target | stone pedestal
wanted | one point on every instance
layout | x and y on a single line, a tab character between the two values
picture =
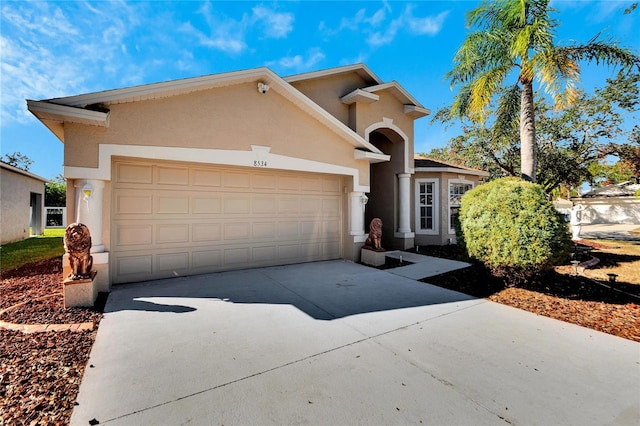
80	293
372	257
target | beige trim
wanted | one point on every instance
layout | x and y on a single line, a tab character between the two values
416	112
45	110
452	170
208	156
399	92
362	70
388	124
370	156
361	96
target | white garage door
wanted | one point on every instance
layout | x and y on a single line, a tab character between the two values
174	219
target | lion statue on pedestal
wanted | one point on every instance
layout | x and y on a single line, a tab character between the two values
77	243
373	242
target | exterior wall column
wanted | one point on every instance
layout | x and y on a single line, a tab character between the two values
356	221
89	210
404	206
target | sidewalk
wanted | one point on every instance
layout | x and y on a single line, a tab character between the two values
609	231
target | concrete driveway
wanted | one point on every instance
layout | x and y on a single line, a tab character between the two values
334	342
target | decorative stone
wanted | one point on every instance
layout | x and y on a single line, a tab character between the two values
79	288
372	257
80	292
374	240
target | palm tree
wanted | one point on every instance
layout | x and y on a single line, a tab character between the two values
515	39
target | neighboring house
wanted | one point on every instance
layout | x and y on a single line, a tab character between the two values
21	204
610	204
438	188
237	170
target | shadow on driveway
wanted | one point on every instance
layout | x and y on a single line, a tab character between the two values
322	290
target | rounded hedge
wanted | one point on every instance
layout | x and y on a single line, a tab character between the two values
511	226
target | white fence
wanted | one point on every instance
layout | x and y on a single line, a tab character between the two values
55	217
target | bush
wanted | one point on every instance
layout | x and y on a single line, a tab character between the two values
510	226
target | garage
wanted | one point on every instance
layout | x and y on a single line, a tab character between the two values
174	219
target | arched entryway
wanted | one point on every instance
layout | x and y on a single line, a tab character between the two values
389	198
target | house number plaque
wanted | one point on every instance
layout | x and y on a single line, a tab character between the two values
259	163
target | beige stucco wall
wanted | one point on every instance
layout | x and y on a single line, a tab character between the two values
229	118
327	92
15	193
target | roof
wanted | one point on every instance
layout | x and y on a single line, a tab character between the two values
426	164
17	170
624	189
366	94
92	108
361	69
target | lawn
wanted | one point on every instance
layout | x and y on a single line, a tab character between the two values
32	249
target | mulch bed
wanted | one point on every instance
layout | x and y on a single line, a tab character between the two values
559	294
40	373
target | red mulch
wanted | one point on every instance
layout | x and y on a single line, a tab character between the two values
40	373
559	294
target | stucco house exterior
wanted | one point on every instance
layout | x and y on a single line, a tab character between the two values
21	204
237	170
610	204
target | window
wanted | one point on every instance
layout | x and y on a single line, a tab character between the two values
426	215
457	188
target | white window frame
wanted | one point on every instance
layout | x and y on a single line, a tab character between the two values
436	206
449	183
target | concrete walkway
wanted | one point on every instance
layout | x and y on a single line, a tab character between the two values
608	231
337	343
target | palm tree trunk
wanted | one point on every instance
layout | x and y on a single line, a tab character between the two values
527	134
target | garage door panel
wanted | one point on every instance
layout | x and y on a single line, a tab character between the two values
310	205
203	205
266	254
180	219
206	232
332	184
134	203
264	230
170	234
172	204
236	180
237	256
174	263
263	181
133	235
209	260
237	205
172	175
133	266
264	205
134	173
206	178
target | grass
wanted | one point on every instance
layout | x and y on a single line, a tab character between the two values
616	257
46	246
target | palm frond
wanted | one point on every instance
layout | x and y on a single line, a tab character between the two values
605	53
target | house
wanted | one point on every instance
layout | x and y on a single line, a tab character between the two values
610	204
438	188
21	204
241	169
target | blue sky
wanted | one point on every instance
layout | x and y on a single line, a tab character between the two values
62	48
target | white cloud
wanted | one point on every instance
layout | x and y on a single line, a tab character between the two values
300	63
430	25
276	25
375	31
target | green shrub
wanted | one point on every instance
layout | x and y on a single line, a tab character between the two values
510	226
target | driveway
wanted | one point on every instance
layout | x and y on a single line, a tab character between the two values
339	343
